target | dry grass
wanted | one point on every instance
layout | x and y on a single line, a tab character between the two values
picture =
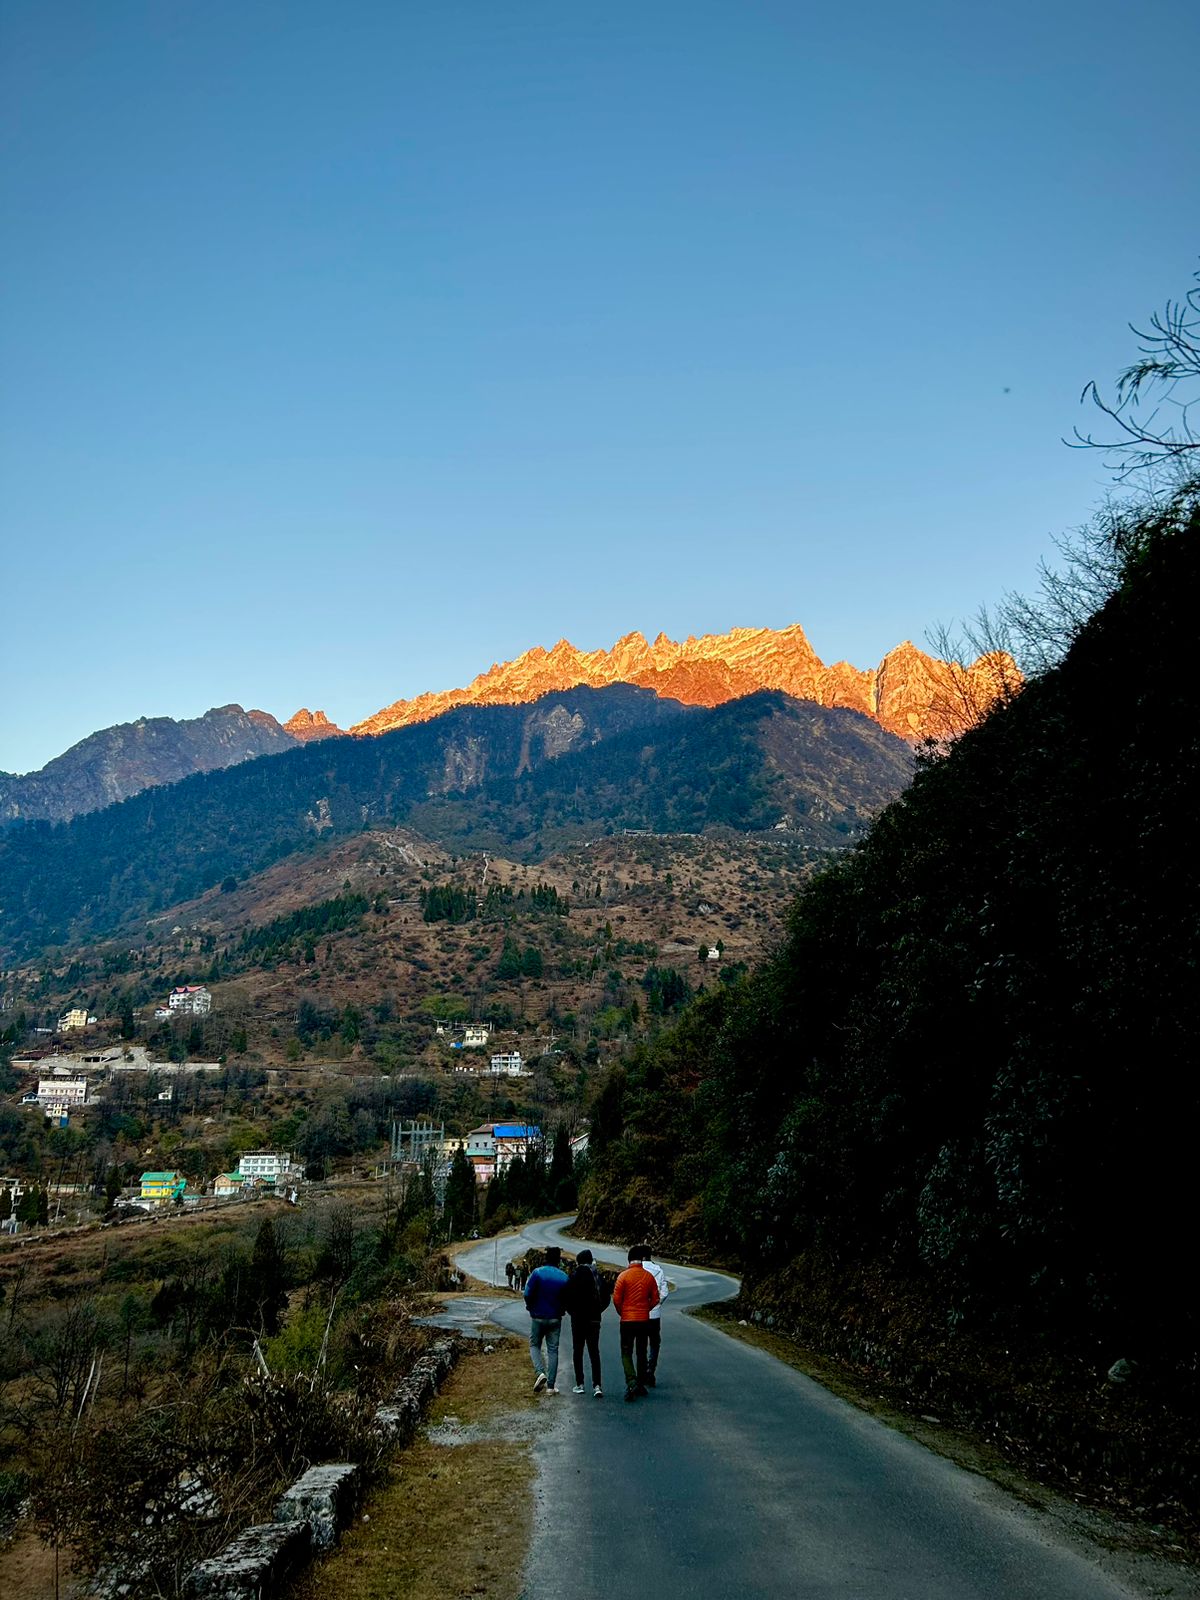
27	1571
450	1520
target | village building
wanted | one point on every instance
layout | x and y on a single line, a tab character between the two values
62	1091
226	1184
481	1152
190	1000
264	1166
73	1020
161	1188
507	1064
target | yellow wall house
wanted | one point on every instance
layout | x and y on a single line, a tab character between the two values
162	1186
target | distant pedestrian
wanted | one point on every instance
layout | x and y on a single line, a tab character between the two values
654	1341
508	1273
584	1303
544	1294
635	1296
523	1275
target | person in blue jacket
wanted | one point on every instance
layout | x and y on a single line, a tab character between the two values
544	1294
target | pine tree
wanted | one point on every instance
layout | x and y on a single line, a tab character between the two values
562	1177
460	1195
268	1277
510	960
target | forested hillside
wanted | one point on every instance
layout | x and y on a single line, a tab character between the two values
528	778
967	1082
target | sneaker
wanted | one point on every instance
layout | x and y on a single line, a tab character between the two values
650	1380
553	1391
578	1389
632	1392
641	1389
598	1393
539	1382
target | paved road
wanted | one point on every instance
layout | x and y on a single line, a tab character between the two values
739	1477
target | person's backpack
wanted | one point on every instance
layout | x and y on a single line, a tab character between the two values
603	1289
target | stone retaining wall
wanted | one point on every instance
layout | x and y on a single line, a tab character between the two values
316	1508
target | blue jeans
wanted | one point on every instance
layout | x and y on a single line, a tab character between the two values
547	1328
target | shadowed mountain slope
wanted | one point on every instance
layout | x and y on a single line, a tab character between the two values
571	765
121	761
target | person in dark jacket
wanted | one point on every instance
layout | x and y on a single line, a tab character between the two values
544	1294
584	1303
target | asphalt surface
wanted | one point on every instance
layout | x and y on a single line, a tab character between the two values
739	1477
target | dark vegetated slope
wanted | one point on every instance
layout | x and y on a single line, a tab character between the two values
172	843
747	765
587	759
971	1069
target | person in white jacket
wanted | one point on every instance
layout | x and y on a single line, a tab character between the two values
655	1339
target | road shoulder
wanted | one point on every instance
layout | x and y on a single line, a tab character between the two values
1138	1553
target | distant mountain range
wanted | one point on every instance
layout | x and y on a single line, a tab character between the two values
530	779
910	694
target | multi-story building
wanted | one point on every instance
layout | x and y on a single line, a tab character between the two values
507	1063
481	1152
73	1019
62	1091
513	1139
191	1000
162	1187
264	1166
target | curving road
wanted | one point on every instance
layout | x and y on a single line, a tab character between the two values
739	1477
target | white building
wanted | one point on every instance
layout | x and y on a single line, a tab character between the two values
476	1034
77	1017
264	1166
507	1063
190	999
62	1091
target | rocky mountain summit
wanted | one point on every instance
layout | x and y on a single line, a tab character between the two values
910	693
121	761
308	726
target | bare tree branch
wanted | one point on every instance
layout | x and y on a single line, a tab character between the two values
1154	399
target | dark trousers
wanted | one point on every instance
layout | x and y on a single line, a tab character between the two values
655	1340
586	1333
634	1336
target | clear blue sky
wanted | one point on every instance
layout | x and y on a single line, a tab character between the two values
347	348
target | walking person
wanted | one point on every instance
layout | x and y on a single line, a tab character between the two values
523	1275
508	1273
544	1293
635	1295
584	1303
654	1340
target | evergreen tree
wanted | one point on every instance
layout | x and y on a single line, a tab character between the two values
496	1197
562	1176
531	962
268	1277
510	960
460	1196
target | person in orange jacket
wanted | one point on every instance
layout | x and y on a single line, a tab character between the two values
635	1295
